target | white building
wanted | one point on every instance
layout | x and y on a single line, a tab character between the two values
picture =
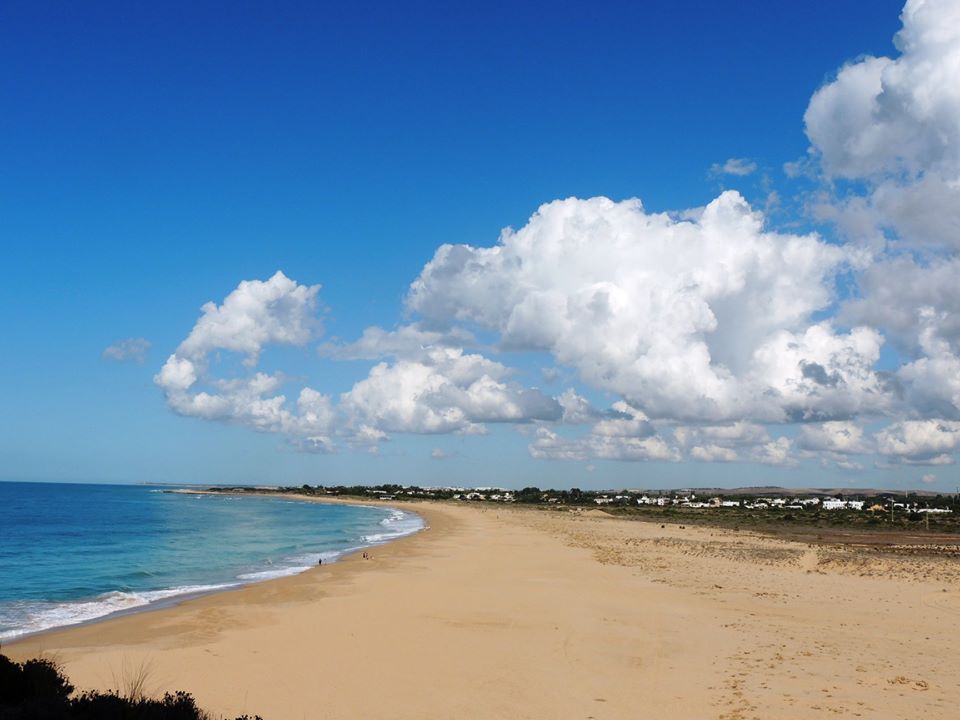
837	504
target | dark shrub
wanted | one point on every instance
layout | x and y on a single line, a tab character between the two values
100	706
34	690
38	690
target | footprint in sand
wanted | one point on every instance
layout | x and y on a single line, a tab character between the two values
921	685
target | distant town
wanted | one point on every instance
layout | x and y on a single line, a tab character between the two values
879	518
771	498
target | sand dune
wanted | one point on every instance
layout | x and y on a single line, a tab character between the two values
514	613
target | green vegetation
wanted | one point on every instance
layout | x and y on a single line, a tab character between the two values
768	509
38	690
810	518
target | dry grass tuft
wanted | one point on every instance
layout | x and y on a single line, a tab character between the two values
132	681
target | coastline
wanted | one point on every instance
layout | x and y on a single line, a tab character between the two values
171	597
501	612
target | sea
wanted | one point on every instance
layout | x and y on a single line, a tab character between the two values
73	553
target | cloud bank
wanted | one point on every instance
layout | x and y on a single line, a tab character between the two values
718	337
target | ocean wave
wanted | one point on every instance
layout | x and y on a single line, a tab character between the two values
273	574
293	566
397	524
28	617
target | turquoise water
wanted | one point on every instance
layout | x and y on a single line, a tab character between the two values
74	553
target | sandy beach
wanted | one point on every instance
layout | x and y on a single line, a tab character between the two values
514	613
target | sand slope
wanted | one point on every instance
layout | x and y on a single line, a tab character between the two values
511	613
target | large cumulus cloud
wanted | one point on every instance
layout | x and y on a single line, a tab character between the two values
892	123
706	318
444	390
891	126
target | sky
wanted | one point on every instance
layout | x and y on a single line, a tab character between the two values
649	245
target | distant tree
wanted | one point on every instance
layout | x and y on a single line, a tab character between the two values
529	494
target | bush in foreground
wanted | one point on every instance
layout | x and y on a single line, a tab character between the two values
38	690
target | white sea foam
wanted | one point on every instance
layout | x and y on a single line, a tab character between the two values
272	574
37	616
397	524
295	565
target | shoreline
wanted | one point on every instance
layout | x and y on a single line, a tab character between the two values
506	613
239	584
40	640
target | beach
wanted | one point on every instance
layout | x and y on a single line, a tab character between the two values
500	612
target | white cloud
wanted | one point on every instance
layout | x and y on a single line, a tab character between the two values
625	434
840	121
317	444
434	386
893	123
903	296
624	421
548	445
252	402
177	375
893	126
134	349
919	442
255	314
737	434
632	448
720	443
740	167
884	116
735	442
928	479
713	453
933	380
407	341
845	438
362	435
776	452
803	167
576	409
445	391
820	374
833	443
660	311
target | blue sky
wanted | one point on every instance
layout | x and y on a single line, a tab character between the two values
153	157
